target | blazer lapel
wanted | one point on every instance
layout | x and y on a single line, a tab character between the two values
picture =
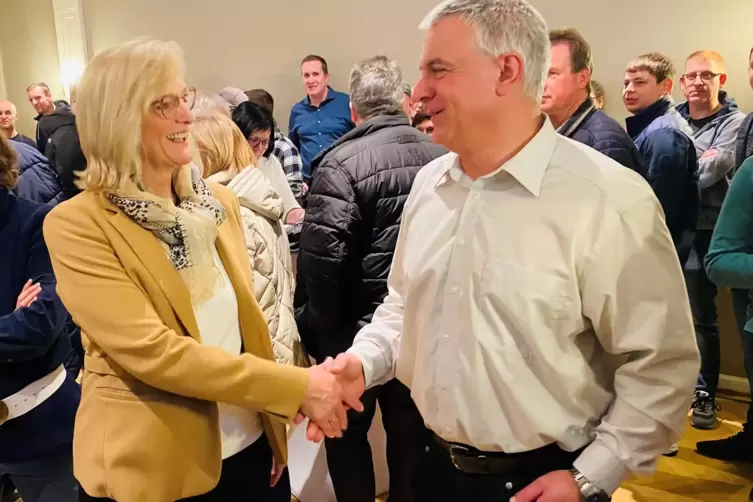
155	260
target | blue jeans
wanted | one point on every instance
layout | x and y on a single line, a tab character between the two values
702	293
47	479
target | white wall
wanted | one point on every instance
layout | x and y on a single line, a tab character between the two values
29	53
259	44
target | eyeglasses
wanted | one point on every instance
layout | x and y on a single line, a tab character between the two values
706	76
167	106
254	142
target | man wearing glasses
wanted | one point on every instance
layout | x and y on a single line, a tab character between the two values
714	119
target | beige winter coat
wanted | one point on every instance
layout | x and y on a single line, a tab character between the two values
269	253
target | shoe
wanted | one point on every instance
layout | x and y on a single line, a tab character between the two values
737	448
672	451
704	411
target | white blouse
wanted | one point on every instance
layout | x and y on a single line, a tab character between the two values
219	326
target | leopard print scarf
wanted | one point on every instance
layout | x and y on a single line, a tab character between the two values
187	231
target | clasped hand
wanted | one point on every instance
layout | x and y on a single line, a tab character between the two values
334	386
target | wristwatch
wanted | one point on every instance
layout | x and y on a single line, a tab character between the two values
589	492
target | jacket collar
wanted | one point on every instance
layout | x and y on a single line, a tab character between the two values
569	128
638	122
528	166
253	190
729	105
369	127
154	257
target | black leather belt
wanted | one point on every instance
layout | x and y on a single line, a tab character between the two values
542	460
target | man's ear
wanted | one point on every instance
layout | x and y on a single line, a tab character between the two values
722	79
584	78
668	85
353	114
510	66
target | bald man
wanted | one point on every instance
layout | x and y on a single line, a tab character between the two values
8	118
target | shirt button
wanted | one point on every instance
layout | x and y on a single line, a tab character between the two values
319	122
454	290
446	337
461	242
320	134
476	196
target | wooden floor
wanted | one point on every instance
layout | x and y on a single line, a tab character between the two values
690	477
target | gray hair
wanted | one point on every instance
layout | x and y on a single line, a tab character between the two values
504	26
208	104
376	87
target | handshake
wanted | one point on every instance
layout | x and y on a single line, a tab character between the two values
334	386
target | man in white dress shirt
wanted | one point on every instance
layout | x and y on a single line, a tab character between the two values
536	305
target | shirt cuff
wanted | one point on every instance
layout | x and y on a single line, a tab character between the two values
369	355
601	467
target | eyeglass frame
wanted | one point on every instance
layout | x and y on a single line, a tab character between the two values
170	109
254	142
699	74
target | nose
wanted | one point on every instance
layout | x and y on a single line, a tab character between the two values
184	115
421	91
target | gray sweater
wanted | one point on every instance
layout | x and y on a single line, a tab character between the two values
718	137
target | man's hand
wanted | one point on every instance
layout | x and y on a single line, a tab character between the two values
277	470
28	294
325	402
349	372
557	486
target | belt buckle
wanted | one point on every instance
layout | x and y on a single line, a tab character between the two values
4	412
455	452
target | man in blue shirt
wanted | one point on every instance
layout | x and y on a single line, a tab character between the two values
321	117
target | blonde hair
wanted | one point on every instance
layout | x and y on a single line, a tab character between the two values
114	94
8	164
221	145
656	64
713	57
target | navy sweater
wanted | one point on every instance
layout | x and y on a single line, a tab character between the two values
33	340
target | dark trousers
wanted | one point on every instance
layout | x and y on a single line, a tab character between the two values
47	479
349	458
702	294
281	491
742	304
245	476
436	479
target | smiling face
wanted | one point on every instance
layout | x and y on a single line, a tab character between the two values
314	78
165	128
458	85
259	142
41	100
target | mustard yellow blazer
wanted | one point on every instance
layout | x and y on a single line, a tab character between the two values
147	429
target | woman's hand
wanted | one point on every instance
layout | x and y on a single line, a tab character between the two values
28	294
277	470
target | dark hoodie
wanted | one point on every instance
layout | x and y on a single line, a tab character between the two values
718	134
63	148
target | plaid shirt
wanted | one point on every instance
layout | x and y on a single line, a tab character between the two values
290	159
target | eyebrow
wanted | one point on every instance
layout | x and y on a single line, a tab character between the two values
435	62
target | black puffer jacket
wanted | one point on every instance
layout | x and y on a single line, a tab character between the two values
63	148
355	204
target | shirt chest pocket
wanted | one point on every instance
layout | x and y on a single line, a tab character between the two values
525	302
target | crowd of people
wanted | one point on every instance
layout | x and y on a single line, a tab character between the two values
525	287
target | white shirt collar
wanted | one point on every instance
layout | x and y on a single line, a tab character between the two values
527	166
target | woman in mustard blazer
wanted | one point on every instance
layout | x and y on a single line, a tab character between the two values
181	397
